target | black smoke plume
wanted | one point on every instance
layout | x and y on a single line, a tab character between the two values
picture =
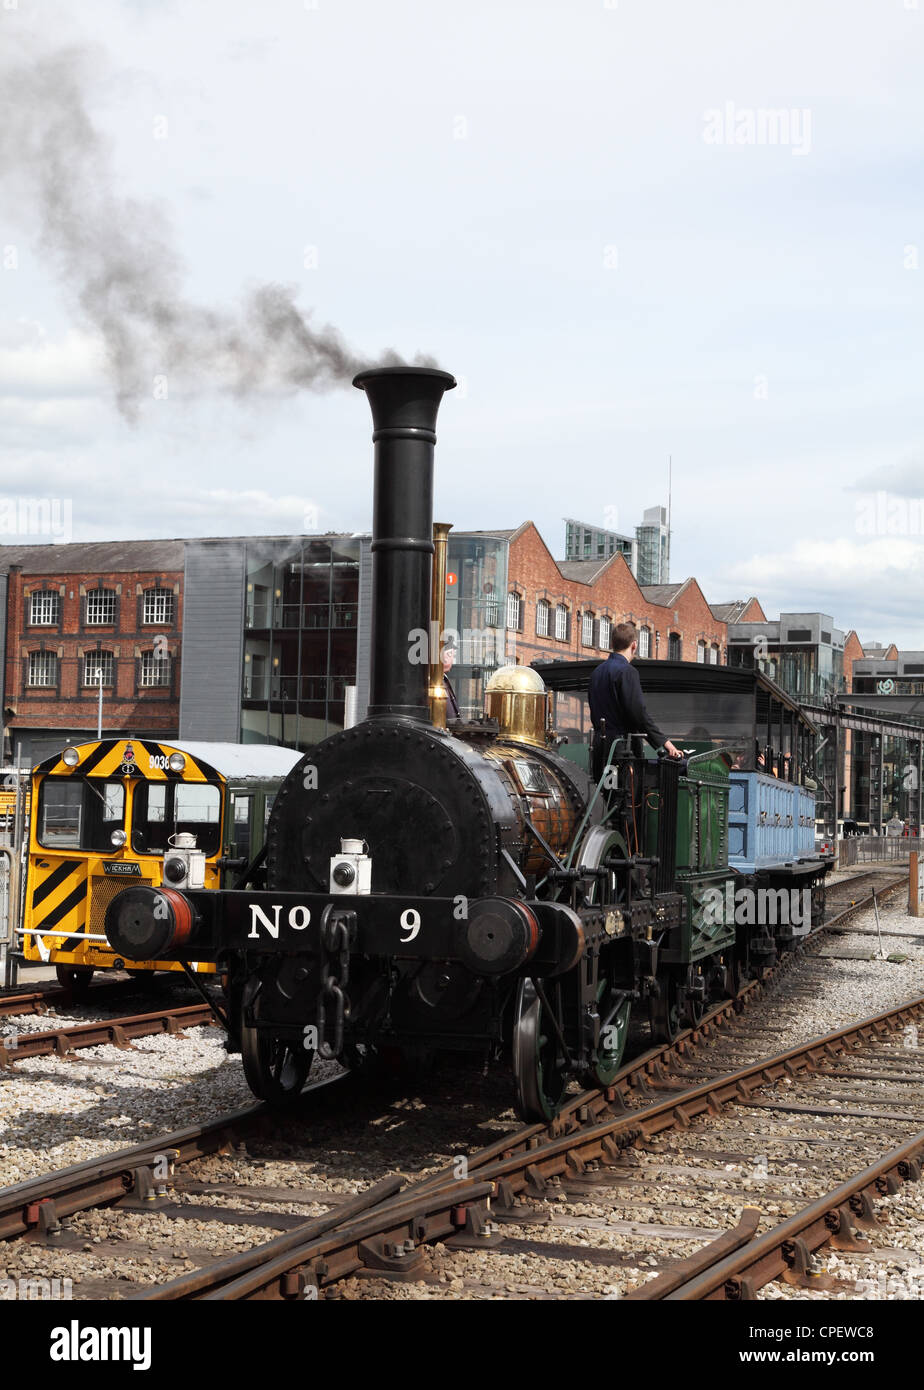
115	256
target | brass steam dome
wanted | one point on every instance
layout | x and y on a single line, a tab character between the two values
517	698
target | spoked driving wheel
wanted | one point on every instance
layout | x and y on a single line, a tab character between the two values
664	1010
614	1009
694	996
539	1059
275	1068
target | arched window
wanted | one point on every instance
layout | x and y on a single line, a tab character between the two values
45	609
101	607
543	613
644	641
561	623
514	611
674	647
43	669
701	652
158	606
605	632
714	654
154	669
587	630
96	662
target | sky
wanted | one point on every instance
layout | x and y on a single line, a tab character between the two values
632	229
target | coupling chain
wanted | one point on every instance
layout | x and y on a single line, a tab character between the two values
333	1000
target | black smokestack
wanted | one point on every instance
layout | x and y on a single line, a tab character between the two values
405	402
116	258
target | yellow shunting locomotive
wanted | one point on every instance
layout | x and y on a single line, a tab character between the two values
117	813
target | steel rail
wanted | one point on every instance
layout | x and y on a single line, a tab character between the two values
648	1066
24	1206
682	1271
41	1001
236	1266
433	1210
117	1031
503	1169
787	1249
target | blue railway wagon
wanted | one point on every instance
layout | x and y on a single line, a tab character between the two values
770	822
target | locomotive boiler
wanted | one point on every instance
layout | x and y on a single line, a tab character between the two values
465	888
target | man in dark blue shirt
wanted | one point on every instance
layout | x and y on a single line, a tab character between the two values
617	705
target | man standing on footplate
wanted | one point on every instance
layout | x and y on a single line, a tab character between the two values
617	705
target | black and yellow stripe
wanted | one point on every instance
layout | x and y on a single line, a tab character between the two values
105	758
59	903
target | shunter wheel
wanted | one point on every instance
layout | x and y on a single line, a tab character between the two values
539	1062
275	1068
75	978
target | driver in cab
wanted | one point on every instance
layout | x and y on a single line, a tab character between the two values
617	705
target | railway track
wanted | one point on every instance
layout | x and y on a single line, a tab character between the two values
734	1269
466	1207
21	1003
69	1037
470	1202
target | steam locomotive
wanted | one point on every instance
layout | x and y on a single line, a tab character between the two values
466	888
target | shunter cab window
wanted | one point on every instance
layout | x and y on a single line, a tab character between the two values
77	813
162	809
240	834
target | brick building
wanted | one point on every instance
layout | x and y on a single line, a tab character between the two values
565	610
81	615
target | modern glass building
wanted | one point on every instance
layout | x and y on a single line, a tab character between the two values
271	636
803	653
586	542
476	612
653	539
902	675
301	617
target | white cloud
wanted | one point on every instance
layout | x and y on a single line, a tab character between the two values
875	586
36	366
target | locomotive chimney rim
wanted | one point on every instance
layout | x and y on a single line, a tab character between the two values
405	402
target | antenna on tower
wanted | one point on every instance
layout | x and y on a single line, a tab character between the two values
670	474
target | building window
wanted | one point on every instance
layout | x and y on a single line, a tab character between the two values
714	654
158	606
155	670
542	618
587	630
701	652
605	632
45	609
644	641
491	606
43	669
93	663
561	623
674	647
101	608
514	612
